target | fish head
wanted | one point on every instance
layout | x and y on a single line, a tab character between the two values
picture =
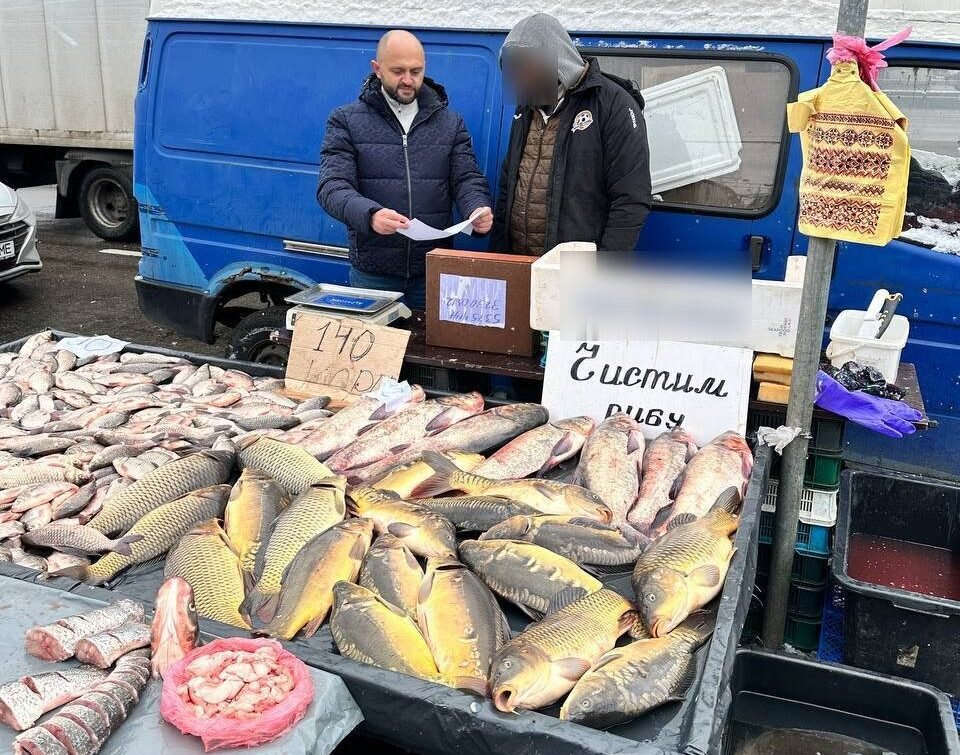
519	676
595	700
366	496
359	526
662	597
175	600
513	528
592	506
734	441
581	425
679	435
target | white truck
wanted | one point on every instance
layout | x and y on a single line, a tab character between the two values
68	78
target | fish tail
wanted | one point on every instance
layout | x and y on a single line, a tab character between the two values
261	604
728	502
122	544
444	477
81	573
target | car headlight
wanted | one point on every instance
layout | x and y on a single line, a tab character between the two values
22	212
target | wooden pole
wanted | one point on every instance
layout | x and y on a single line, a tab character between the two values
851	20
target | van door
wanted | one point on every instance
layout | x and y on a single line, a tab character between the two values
747	215
923	264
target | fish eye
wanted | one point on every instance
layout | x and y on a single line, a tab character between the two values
586	703
192	606
651	597
507	663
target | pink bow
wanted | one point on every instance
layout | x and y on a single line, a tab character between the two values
869	59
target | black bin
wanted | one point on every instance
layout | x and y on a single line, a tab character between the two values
772	691
900	631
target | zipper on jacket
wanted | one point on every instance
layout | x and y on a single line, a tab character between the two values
406	161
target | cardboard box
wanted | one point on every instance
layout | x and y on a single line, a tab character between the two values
479	301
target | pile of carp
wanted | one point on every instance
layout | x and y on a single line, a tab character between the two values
406	524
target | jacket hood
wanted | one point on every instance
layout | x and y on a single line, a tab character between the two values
543	32
431	94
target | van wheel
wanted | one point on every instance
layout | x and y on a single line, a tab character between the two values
251	340
107	205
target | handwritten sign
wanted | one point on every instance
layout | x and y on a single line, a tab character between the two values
661	384
342	357
473	301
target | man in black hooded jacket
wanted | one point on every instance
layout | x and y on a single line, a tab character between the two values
577	167
396	154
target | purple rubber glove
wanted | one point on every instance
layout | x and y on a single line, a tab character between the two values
892	418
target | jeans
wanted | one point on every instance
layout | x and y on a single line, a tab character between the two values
414	289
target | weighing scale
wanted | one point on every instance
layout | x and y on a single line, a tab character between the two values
366	304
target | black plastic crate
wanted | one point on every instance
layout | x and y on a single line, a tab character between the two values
803	601
900	631
807	569
770	692
826	430
820	473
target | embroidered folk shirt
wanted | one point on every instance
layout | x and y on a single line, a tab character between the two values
856	160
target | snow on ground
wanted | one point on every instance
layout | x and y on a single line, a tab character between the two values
935	234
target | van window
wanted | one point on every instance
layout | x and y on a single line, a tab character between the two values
930	98
759	90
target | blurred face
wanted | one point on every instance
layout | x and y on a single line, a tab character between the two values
400	66
532	75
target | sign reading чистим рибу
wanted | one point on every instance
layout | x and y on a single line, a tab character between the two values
661	384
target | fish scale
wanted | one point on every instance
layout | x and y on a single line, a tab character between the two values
164	484
256	500
205	561
289	465
367	629
162	528
631	680
525	574
542	663
391	570
315	510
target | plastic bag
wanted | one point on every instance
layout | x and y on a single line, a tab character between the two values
216	733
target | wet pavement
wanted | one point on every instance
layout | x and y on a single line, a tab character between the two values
82	288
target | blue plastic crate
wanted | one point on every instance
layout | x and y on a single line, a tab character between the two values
831	637
812	539
831	630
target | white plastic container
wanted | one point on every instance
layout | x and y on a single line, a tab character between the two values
692	129
882	353
774	317
545	282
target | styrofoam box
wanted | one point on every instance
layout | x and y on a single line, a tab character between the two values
882	353
692	129
775	314
545	283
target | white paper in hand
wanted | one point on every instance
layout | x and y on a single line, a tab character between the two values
420	231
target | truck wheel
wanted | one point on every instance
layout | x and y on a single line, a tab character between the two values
107	205
251	340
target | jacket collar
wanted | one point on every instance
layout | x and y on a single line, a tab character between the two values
432	96
591	78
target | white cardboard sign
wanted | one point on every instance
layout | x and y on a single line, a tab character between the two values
661	384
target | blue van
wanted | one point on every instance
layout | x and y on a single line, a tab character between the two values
230	117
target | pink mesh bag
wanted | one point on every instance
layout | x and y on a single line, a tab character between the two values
217	733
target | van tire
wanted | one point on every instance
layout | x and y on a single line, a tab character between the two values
107	205
251	342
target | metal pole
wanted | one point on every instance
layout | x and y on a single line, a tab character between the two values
852	20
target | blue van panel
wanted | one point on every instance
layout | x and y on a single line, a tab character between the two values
230	118
226	168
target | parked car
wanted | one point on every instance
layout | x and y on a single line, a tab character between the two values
18	236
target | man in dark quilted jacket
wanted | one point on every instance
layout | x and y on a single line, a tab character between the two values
395	154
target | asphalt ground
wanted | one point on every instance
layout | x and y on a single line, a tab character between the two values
82	288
